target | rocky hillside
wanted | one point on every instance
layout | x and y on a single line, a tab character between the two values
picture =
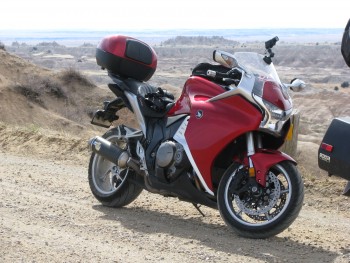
32	95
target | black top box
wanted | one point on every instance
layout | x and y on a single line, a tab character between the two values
126	57
345	44
334	151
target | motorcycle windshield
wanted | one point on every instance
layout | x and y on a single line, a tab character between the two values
254	64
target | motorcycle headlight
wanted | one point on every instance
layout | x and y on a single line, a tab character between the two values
276	113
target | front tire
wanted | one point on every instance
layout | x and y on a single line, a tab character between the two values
109	183
267	211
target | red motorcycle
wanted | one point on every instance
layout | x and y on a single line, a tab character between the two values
217	145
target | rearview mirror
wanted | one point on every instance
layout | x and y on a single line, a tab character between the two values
225	59
296	85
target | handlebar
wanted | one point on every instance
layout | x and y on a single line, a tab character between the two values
230	77
216	74
231	74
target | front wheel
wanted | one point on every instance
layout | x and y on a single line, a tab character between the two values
259	212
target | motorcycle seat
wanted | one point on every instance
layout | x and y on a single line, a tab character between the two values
154	102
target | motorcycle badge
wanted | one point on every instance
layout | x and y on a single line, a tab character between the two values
199	114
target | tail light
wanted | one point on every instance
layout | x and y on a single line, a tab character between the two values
327	147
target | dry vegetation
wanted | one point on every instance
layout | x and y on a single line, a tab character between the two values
199	41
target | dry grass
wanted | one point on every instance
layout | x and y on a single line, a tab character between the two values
30	93
70	76
34	88
68	94
35	140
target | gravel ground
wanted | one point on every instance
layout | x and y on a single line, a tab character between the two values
47	214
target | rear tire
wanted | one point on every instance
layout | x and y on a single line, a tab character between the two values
110	184
267	212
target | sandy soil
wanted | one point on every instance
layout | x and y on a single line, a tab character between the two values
48	214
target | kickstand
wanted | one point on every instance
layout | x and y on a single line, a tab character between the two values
197	206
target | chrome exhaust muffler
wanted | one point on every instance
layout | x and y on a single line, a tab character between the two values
113	153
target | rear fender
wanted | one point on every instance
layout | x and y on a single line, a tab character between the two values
264	159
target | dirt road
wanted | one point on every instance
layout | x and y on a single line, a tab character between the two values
47	214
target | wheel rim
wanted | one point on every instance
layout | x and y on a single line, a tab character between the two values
260	210
108	177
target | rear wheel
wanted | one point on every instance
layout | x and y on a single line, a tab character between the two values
259	212
109	183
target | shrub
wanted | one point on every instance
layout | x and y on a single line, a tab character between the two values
15	44
336	88
345	84
198	40
30	94
33	88
2	46
53	88
87	45
49	44
71	75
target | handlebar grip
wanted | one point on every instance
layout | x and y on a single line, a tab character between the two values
211	73
216	74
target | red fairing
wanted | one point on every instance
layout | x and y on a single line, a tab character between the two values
221	122
182	105
195	89
274	94
264	159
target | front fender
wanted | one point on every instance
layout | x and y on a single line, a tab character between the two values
264	159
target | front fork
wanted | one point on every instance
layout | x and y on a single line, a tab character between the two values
251	152
259	161
251	141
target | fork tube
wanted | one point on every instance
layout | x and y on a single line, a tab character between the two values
259	141
250	152
250	144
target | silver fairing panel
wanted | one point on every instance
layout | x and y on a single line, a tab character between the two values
180	138
137	111
244	88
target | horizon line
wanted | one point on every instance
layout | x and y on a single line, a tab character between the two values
172	29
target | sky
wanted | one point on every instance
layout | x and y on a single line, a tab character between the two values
173	14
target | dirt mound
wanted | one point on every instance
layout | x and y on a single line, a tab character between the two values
30	94
60	100
16	69
33	140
